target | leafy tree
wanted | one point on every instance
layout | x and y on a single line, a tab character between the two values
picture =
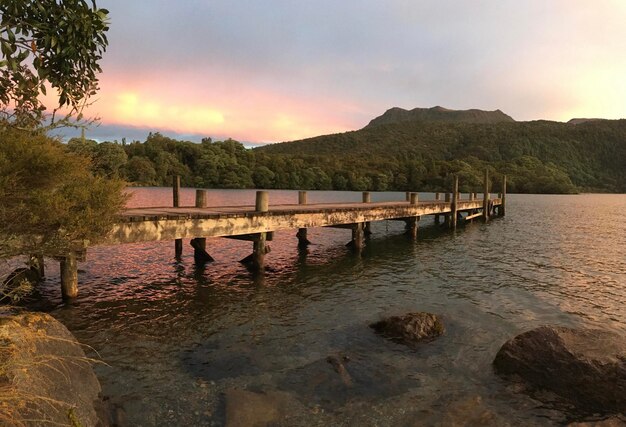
109	158
139	169
263	177
50	200
54	42
85	147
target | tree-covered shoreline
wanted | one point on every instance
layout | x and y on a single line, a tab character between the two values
537	157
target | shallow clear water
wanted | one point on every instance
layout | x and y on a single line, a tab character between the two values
174	337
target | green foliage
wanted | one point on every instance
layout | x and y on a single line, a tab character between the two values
50	199
48	41
538	157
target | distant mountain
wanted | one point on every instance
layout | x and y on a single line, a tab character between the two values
579	121
439	114
411	152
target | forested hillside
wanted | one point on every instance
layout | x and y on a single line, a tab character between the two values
538	157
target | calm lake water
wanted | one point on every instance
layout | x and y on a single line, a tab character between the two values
174	337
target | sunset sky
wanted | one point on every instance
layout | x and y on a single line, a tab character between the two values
271	71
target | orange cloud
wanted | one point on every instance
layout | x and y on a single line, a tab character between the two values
221	107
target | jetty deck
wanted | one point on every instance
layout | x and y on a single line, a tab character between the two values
256	223
169	223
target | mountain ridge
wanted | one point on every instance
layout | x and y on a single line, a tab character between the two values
439	114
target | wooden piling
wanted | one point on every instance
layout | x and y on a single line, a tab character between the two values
357	242
259	246
302	198
502	208
437	198
408	196
412	227
202	198
303	240
455	203
367	198
446	216
69	276
176	191
200	255
486	196
178	243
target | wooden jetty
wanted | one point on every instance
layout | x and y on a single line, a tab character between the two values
257	223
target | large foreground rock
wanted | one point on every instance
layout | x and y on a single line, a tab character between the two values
587	367
45	378
410	328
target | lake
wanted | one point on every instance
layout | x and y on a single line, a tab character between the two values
174	337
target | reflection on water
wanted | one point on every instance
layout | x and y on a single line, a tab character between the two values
175	335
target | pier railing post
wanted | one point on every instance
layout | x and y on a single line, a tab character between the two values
259	247
69	276
486	197
303	240
502	208
455	202
201	198
178	243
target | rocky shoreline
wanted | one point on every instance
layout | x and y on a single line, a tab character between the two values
51	380
46	378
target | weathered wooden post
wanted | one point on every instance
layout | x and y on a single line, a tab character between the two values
202	197
437	198
446	216
258	246
178	243
486	197
303	240
69	276
357	242
408	196
412	222
200	255
455	202
503	201
367	198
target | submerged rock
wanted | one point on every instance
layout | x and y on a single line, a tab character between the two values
247	409
45	375
410	328
586	367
